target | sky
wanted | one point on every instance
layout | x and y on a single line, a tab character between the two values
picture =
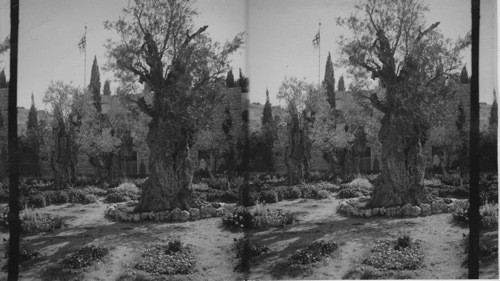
279	39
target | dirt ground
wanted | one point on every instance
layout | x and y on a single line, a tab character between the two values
212	245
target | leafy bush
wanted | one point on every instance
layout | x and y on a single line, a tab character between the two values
218	183
400	254
313	253
488	213
269	196
95	191
227	196
37	200
356	188
4	194
290	192
489	216
62	197
245	251
488	189
361	183
34	223
173	258
452	179
86	256
258	218
124	192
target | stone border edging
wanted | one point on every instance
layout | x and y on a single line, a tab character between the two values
115	212
436	207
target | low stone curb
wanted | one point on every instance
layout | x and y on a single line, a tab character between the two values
116	212
436	207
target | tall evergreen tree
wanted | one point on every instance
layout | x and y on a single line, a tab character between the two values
493	120
95	86
268	131
106	90
341	85
243	83
230	83
3	80
464	76
329	81
32	115
32	145
267	114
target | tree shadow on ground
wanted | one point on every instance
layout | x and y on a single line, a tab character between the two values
287	240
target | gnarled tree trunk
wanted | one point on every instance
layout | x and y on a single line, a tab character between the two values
169	184
403	166
294	156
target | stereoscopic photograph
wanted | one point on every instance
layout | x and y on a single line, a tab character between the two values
248	139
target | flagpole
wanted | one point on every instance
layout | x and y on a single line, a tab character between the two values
85	58
319	56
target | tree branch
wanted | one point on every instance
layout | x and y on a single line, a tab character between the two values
143	106
422	34
376	102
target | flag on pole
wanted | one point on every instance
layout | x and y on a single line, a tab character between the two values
83	42
316	40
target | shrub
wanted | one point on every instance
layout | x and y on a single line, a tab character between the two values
4	194
452	179
34	223
488	187
321	194
269	196
488	213
50	197
62	197
124	192
361	183
75	195
37	200
163	259
489	216
89	198
86	256
400	254
258	218
313	253
291	192
218	183
95	191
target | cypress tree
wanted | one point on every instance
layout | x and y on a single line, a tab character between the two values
329	81
95	85
268	132
243	83
106	90
32	116
464	76
341	85
493	119
33	145
3	80
230	83
267	114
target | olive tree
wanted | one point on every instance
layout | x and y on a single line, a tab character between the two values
159	47
411	60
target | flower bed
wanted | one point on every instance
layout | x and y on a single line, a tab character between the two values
172	258
351	207
124	212
396	255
